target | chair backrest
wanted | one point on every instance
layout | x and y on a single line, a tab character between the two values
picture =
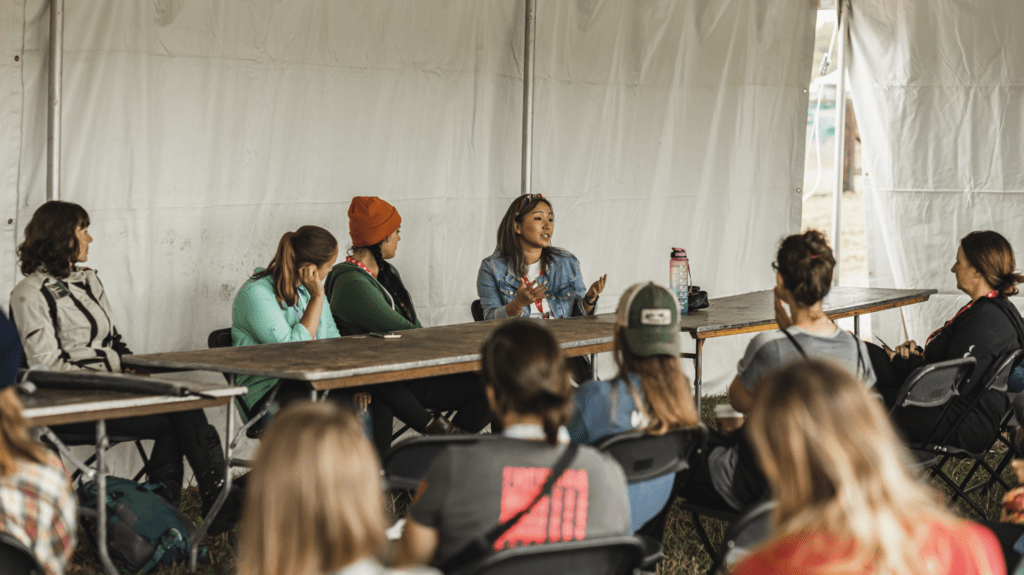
994	379
477	309
16	559
219	338
619	555
643	456
406	462
936	384
746	533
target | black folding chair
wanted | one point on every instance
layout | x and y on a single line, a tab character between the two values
620	555
405	463
748	530
477	309
16	559
255	419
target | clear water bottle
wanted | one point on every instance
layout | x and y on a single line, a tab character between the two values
679	278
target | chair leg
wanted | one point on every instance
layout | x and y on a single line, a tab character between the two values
958	493
703	535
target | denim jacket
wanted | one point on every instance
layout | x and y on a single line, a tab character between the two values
496	285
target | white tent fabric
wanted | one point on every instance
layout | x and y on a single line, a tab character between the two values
939	95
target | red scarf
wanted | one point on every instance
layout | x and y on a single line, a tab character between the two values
362	266
992	293
539	303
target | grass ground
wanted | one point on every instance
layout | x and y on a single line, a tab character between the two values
684	554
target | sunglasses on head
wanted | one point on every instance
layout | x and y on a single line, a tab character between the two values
525	201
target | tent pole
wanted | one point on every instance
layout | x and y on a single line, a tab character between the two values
53	114
837	192
528	58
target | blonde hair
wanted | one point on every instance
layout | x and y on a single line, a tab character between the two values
15	443
314	501
835	464
669	399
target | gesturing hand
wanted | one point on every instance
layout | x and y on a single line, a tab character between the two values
311	279
526	295
781	314
595	289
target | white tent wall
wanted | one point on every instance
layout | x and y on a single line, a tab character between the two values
196	133
938	89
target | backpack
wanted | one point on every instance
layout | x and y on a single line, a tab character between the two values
142	529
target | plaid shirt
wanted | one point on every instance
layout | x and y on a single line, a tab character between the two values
38	509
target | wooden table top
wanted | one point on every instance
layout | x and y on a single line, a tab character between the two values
62	406
755	311
360	360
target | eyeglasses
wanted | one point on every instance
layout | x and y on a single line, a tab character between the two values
775	266
525	201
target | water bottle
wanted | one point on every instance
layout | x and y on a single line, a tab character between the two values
679	278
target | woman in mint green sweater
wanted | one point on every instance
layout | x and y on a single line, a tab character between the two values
367	295
283	303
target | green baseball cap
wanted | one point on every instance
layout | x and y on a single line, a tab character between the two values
649	316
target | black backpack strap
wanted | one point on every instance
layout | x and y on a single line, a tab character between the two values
795	344
862	368
484	544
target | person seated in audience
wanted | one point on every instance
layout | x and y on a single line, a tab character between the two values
37	507
846	500
66	323
650	392
528	277
284	303
315	504
729	476
367	295
986	328
469	489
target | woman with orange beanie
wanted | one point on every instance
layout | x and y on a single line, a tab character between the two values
366	294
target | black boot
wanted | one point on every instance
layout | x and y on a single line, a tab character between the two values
166	470
206	456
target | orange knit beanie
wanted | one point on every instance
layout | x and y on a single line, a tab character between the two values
371	220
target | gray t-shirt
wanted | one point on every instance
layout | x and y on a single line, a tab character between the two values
772	350
471	488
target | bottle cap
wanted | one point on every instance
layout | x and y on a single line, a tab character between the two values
678	253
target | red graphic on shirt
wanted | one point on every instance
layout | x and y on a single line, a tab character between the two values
560	517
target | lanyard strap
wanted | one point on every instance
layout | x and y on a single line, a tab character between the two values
539	303
990	294
362	266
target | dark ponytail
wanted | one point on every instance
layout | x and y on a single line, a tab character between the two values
306	245
992	255
806	263
524	366
389	279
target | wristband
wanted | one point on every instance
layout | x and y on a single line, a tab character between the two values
591	303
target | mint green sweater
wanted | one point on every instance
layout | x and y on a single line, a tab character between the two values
359	299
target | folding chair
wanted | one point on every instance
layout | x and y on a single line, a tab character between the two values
947	387
255	420
477	309
620	555
17	559
405	463
748	531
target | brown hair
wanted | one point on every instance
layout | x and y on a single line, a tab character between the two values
805	263
15	443
669	400
508	241
306	245
313	503
50	241
524	366
992	256
835	464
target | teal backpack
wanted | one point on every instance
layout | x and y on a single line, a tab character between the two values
142	529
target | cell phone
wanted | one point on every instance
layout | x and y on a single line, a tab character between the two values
386	335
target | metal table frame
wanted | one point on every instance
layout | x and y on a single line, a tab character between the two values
116	405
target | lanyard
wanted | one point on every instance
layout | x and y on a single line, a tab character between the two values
362	266
539	303
962	310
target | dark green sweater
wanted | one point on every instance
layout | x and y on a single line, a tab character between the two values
359	300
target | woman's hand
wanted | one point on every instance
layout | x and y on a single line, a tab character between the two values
526	294
595	289
311	279
361	401
781	314
906	350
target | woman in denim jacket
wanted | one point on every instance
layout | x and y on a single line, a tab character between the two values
553	286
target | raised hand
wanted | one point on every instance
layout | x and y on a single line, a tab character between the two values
311	279
529	293
595	289
782	316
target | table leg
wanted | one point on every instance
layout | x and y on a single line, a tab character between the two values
856	325
697	360
593	364
102	442
223	495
